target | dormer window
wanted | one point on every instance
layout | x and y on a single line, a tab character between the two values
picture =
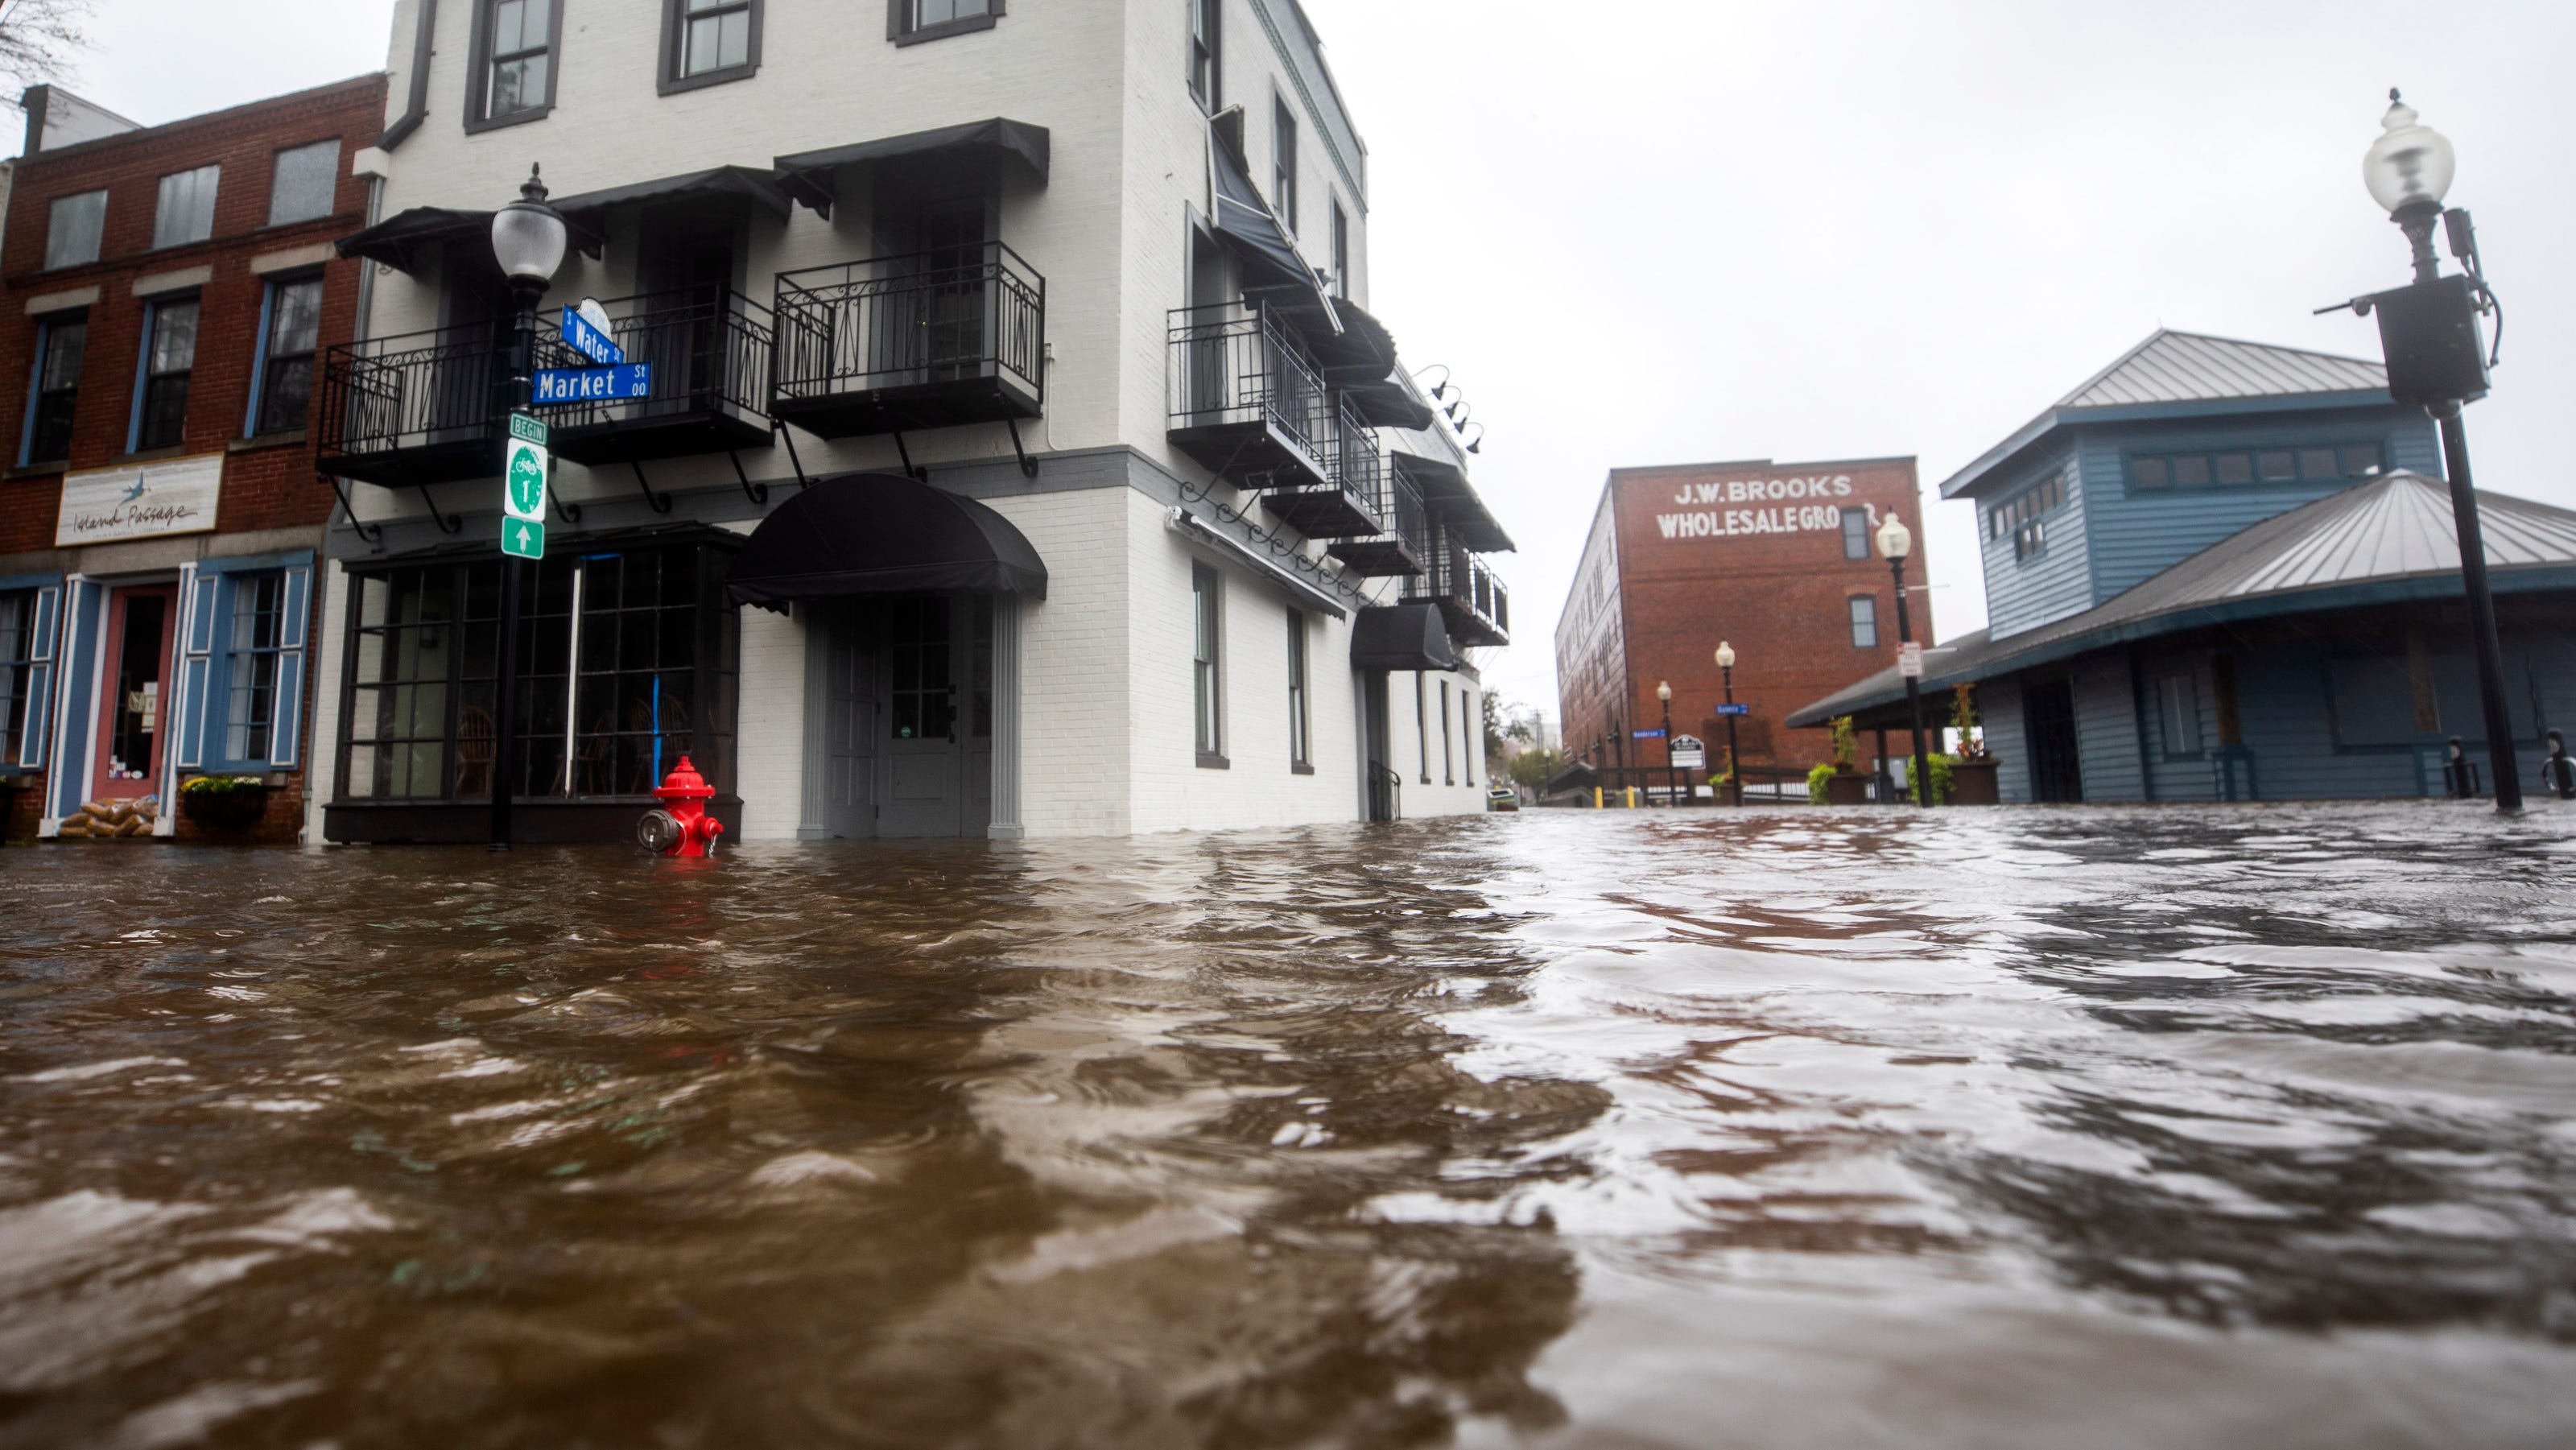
2240	468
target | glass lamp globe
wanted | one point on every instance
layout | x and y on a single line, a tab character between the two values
1895	540
1725	655
1664	691
2410	165
529	237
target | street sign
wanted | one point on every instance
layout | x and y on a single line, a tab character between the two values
626	381
1909	661
533	429
589	335
1734	709
1645	735
523	481
522	539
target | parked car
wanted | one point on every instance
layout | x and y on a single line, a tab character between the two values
1502	798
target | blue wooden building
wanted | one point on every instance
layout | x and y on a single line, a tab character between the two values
2224	571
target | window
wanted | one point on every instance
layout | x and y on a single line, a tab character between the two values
1204	73
908	21
73	230
2178	711
1855	533
55	389
1864	621
1467	731
186	212
305	183
2234	468
514	71
2361	460
169	359
2021	516
2277	465
1283	164
1448	762
1300	748
2150	473
292	330
1422	730
627	661
17	668
2239	469
1207	679
250	712
709	41
1341	250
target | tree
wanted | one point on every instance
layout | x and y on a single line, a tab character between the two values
1535	768
1494	734
38	39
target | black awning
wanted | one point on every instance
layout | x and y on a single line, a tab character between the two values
1443	485
807	175
1245	222
1402	637
1362	351
881	533
1388	403
398	240
755	186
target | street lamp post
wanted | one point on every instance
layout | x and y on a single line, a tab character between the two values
2422	329
528	240
1726	674
1672	781
1896	541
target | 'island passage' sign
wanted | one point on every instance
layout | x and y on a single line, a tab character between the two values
177	497
624	383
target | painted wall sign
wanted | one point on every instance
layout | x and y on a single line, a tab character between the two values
103	505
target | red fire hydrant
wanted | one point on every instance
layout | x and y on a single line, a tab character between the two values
682	827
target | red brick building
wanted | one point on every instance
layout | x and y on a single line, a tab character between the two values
169	292
1776	559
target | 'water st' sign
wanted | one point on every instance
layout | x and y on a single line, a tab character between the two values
590	341
625	382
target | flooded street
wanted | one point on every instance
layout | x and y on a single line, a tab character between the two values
1998	1128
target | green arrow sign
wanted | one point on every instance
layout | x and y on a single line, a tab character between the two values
523	539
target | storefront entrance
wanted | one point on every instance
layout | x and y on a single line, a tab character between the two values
901	744
135	687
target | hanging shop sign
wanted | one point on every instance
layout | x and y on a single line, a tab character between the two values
177	497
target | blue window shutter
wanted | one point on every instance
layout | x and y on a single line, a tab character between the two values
40	679
292	628
197	671
83	616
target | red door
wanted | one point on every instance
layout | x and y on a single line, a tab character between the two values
132	718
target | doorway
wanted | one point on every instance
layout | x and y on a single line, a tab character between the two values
900	744
2048	728
130	717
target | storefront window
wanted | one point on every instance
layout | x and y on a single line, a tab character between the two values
626	663
17	658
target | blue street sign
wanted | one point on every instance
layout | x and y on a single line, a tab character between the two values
558	386
589	341
1735	709
1645	735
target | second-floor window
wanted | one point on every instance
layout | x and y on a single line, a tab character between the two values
1855	533
1341	251
73	230
2237	468
518	72
60	342
169	360
1204	62
302	187
286	355
1864	621
715	36
2022	518
910	20
186	211
1283	169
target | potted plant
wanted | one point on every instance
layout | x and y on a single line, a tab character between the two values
1972	774
1840	783
224	805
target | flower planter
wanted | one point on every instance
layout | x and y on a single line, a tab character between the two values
1847	789
225	813
1972	783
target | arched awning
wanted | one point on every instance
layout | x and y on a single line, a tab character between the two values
881	533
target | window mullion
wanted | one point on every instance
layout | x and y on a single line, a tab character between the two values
572	680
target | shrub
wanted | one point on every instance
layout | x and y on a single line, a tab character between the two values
1816	779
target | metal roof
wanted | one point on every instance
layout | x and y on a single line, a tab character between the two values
2191	367
2384	535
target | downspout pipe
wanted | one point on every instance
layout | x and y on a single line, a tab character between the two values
417	109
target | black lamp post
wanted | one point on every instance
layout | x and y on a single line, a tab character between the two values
2429	335
528	240
1896	541
1726	674
1672	782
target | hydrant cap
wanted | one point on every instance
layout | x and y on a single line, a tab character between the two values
684	783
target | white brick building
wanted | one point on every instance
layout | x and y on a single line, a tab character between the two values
1097	268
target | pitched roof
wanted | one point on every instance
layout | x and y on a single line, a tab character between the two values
2392	535
2180	369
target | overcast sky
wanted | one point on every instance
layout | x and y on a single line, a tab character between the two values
1679	230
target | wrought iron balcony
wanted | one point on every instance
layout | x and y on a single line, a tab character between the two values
1246	400
1472	598
930	340
1403	546
710	351
420	407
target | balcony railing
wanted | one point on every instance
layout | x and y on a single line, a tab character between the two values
1471	597
1403	544
929	340
710	351
420	407
1246	400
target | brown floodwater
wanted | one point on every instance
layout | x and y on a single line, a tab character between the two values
2248	1127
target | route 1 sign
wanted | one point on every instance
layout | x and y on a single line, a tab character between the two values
523	480
521	539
